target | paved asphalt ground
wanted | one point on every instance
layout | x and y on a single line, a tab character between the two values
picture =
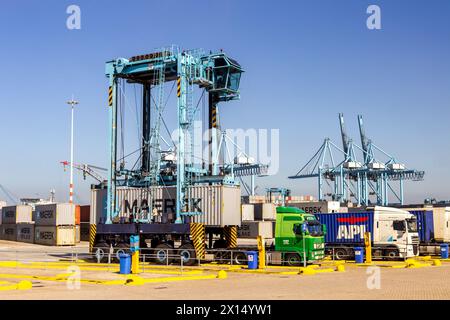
431	282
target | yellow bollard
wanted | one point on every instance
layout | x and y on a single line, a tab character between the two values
135	262
368	244
262	253
340	268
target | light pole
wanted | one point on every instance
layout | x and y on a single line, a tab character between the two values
72	103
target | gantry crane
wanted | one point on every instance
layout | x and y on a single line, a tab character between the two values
352	179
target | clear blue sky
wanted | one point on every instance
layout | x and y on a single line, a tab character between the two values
305	61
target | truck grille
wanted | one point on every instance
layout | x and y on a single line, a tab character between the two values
415	239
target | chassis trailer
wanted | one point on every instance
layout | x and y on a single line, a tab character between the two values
393	233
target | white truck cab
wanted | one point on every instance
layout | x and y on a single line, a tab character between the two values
395	233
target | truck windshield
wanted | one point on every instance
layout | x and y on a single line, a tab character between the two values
315	228
412	225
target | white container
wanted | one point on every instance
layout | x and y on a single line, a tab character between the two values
54	235
218	205
441	221
16	214
9	232
55	214
248	212
253	229
265	211
25	232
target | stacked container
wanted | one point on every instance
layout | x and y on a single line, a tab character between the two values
55	224
14	217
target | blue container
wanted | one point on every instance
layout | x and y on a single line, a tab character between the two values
444	251
359	255
252	259
425	224
346	227
125	263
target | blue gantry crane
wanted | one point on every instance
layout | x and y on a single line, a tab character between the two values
367	182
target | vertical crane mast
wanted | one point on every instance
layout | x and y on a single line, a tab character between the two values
343	133
364	140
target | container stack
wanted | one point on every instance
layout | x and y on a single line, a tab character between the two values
55	224
16	218
258	219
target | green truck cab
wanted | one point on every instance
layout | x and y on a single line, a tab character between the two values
297	232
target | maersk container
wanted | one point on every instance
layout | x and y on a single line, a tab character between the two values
216	205
55	214
425	224
9	232
346	227
25	232
54	235
17	214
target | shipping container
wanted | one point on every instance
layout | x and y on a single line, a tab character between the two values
9	232
77	214
346	228
85	213
248	212
318	206
17	214
265	211
55	235
425	224
218	205
84	231
55	214
438	224
25	232
253	229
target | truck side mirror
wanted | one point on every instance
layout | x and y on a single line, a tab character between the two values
297	229
324	229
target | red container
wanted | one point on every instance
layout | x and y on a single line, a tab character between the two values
85	213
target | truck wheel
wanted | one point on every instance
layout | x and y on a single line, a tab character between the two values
187	254
293	259
163	254
121	248
391	254
341	254
100	251
239	258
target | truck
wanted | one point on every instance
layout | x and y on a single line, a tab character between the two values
297	235
394	233
433	225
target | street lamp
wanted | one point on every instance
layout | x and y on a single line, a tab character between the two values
72	103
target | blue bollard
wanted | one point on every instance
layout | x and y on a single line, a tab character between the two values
252	259
359	255
125	263
444	251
